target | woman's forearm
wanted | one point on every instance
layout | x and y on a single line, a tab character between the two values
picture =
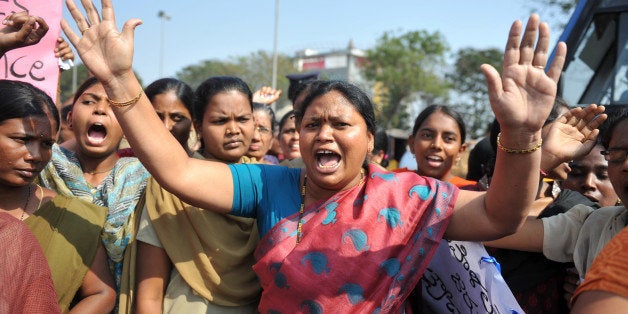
515	182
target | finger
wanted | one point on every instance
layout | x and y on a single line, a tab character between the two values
556	67
493	81
69	33
81	23
92	14
42	29
540	53
598	121
128	30
529	37
511	53
25	29
107	11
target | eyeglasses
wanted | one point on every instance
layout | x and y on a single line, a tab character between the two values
615	155
262	129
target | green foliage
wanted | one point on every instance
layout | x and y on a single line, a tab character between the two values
558	11
65	81
407	66
255	69
470	85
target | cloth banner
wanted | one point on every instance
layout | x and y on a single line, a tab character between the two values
34	64
463	278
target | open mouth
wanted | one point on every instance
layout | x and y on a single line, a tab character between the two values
327	159
97	133
434	161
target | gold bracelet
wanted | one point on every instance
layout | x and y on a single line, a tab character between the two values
518	151
125	103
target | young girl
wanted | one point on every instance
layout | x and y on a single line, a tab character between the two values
437	141
90	169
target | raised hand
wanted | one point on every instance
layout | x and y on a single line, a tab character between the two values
522	98
107	53
572	135
21	30
63	50
266	95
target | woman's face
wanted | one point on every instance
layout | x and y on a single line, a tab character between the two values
227	126
25	149
262	136
436	146
289	140
334	141
589	176
618	171
96	129
175	116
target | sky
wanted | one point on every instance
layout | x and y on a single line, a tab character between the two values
220	29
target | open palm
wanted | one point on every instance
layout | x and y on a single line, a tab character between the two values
106	52
523	96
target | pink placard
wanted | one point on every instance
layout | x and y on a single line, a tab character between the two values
34	64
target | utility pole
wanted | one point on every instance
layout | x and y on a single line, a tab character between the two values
164	17
275	44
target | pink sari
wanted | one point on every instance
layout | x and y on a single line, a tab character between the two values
363	250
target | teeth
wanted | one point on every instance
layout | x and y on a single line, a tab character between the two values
324	152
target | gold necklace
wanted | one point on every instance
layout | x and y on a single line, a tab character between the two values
26	205
303	189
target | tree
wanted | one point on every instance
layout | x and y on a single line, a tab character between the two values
557	10
470	85
65	80
255	69
406	67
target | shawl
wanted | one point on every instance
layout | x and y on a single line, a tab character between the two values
119	192
212	252
68	231
25	282
362	250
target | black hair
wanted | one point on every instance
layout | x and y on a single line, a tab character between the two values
86	84
381	143
182	90
614	119
282	122
215	85
429	110
266	108
358	98
21	100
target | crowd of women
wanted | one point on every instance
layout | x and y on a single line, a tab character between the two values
198	217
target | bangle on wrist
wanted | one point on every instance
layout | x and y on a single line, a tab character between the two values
125	103
543	173
518	151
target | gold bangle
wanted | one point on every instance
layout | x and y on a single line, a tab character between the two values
518	151
125	103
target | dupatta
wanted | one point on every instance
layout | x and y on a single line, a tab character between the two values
362	250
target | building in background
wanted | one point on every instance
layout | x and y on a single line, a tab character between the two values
342	64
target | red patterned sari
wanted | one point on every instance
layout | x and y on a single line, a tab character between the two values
363	250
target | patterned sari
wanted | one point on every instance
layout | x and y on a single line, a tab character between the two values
363	250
